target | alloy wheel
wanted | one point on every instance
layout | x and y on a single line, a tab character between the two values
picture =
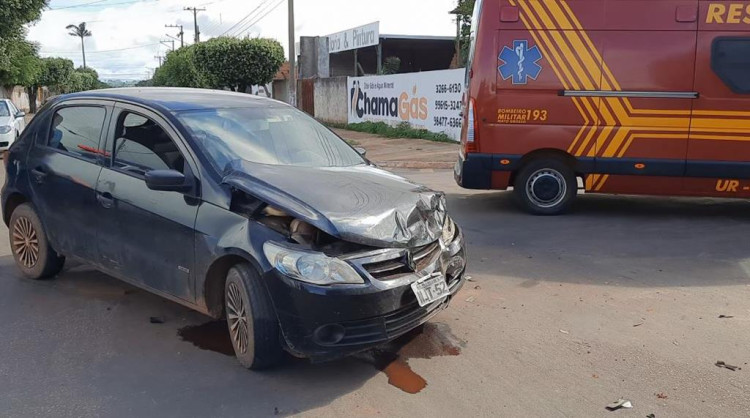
25	242
237	318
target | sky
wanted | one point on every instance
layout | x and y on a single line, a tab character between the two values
127	33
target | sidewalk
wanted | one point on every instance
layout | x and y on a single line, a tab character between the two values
403	152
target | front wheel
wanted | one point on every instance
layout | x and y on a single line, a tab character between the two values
31	250
252	322
546	186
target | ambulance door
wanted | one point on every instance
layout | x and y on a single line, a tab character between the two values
541	52
719	152
647	96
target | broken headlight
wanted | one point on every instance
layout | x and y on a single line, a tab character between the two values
449	231
310	267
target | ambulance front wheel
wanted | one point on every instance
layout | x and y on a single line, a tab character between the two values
546	186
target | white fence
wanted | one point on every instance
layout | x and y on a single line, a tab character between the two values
427	100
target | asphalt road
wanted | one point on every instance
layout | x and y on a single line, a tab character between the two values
620	299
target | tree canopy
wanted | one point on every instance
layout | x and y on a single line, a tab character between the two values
238	63
16	13
178	70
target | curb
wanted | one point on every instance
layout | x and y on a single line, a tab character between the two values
439	165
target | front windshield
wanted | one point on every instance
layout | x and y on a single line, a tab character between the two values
276	135
4	111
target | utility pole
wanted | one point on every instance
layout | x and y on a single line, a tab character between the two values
181	34
166	43
160	58
195	11
292	58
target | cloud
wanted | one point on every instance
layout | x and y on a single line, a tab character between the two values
116	27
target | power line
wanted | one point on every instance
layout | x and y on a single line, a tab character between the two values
245	18
101	1
247	27
195	11
107	50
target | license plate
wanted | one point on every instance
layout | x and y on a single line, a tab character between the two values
430	289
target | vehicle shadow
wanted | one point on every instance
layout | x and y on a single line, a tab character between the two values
118	350
619	240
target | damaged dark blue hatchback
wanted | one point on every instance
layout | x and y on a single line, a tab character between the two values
238	207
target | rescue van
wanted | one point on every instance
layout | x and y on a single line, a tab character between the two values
631	96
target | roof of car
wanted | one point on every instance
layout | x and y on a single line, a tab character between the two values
176	98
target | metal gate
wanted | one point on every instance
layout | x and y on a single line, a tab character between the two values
307	96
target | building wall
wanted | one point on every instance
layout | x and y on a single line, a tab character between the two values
281	90
20	97
331	98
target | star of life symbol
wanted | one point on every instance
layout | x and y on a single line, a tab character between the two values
520	63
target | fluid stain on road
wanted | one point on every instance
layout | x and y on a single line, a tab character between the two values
213	336
432	340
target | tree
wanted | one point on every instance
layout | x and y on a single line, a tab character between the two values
464	11
178	70
16	13
238	63
55	73
81	32
23	64
82	79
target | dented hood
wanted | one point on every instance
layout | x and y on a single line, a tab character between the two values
361	204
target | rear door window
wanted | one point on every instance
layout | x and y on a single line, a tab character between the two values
730	60
77	130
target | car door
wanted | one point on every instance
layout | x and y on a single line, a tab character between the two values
19	118
146	236
63	169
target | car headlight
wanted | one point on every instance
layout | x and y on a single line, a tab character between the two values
310	267
5	129
449	231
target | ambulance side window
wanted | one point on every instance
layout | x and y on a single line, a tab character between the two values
730	60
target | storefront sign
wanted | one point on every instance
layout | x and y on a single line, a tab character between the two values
361	37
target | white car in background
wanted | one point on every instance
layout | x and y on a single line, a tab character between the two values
12	123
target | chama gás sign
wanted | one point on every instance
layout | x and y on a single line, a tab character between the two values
427	100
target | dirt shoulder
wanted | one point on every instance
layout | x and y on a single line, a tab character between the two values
403	152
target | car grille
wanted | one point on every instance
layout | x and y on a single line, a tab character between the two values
399	266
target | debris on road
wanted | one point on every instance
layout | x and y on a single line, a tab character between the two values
469	278
727	366
470	299
638	325
156	320
651	416
725	316
564	332
661	395
621	403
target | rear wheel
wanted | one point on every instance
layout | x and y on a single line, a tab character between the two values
251	320
546	186
31	249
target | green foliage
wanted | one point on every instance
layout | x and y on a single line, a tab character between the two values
391	65
55	73
464	11
179	70
78	30
402	130
238	63
22	66
16	13
82	79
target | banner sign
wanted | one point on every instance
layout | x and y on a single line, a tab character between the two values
427	100
361	37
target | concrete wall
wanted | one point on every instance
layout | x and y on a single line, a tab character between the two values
20	97
331	97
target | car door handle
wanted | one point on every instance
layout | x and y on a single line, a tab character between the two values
39	174
106	200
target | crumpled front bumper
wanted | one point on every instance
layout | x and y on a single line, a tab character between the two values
367	315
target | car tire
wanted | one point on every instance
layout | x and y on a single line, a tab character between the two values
251	319
546	186
28	241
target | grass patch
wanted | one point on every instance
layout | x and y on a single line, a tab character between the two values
402	130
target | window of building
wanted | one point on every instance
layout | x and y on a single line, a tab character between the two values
77	129
730	60
141	145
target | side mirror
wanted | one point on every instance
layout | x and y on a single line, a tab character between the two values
167	181
361	151
20	114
